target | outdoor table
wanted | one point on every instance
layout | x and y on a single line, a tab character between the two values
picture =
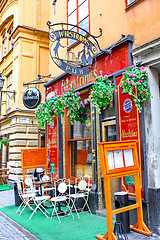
3	174
40	184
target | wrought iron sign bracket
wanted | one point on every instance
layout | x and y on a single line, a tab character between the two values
78	61
8	94
36	81
74	26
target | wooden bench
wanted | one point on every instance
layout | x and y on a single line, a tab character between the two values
4	175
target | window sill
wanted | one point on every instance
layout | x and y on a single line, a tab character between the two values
6	54
8	110
131	4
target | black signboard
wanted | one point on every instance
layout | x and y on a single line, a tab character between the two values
31	98
80	61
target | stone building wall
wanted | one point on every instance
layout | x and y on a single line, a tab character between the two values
21	137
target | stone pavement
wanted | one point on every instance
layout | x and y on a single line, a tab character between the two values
12	231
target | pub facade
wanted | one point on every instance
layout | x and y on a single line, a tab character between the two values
72	148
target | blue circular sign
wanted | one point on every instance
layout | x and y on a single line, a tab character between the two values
127	105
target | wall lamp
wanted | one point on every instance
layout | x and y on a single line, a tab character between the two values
7	92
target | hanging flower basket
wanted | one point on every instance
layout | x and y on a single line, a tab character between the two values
102	93
6	144
69	100
81	115
77	110
48	110
136	78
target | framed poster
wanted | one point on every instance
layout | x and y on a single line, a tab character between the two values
52	145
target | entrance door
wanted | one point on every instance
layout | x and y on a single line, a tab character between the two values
41	138
109	131
109	135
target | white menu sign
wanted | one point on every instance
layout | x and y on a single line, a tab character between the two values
110	160
128	156
118	159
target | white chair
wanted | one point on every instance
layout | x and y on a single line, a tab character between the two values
29	187
37	200
26	198
82	188
62	196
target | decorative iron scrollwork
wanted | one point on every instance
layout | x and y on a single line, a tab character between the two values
81	61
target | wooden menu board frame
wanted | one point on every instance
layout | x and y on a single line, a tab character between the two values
123	168
114	157
34	158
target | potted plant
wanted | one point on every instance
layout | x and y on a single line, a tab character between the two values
136	78
4	141
76	109
102	93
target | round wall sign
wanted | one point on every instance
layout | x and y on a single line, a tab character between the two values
31	98
127	105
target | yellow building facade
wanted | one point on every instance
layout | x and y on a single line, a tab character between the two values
24	54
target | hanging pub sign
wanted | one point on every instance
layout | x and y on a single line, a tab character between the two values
31	98
80	61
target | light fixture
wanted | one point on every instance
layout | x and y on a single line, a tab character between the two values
1	82
7	92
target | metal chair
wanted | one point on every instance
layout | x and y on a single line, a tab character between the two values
37	200
61	196
82	188
26	198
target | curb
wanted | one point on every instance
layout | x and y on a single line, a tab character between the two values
23	230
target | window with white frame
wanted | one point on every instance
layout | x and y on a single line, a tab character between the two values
78	14
3	43
9	88
130	1
10	40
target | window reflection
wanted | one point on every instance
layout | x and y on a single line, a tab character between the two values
85	25
81	157
78	14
